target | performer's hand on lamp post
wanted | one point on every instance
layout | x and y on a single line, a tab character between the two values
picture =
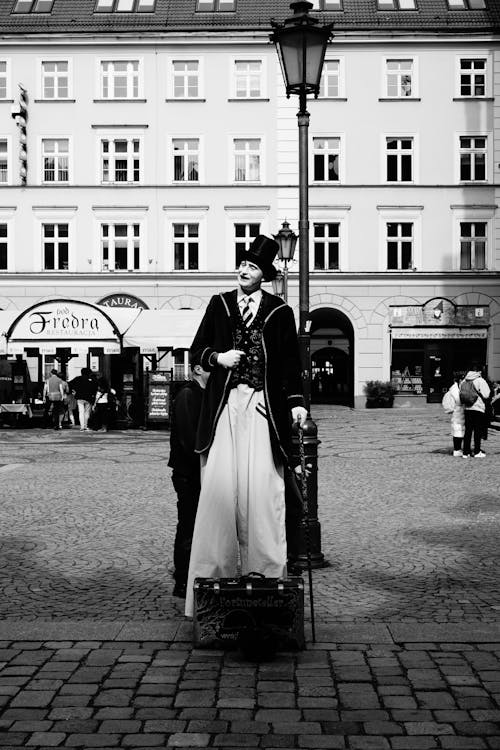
230	359
299	415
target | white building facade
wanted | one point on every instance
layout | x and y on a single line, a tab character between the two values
156	151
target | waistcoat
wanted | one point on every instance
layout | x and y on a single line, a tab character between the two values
249	340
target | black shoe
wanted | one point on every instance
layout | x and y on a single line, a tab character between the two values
293	569
180	590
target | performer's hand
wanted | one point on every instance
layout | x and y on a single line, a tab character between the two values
230	359
299	414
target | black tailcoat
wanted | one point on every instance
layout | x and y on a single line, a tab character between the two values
282	378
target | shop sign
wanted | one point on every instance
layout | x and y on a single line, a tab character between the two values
123	300
439	312
158	395
439	333
62	320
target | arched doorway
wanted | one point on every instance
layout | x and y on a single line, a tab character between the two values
332	357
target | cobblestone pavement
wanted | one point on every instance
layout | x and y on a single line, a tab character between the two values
94	652
410	533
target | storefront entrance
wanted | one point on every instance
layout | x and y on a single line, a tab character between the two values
332	358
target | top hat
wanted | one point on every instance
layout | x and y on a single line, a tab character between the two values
262	252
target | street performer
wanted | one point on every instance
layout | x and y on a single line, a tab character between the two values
247	340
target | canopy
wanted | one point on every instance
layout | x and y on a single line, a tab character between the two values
163	329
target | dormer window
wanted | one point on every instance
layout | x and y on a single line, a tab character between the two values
215	5
466	4
327	4
125	6
397	4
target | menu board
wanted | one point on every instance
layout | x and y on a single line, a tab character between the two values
158	395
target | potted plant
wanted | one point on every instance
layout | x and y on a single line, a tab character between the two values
379	394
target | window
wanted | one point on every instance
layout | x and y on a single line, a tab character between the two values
466	4
186	247
399	152
326	155
55	79
244	234
120	160
399	238
186	79
120	247
33	6
330	83
55	247
4	161
399	78
326	246
55	157
4	246
186	159
472	245
246	159
4	80
120	79
472	158
125	6
210	5
327	5
397	4
472	76
248	79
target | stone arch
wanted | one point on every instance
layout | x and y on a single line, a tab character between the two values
478	298
344	305
185	302
379	314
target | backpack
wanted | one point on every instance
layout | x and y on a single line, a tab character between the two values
468	393
448	403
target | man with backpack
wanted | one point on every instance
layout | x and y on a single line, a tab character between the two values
474	392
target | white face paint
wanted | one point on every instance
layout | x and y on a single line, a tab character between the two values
249	276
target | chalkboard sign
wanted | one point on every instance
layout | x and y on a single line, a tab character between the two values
158	396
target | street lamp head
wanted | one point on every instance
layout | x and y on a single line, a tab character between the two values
279	284
287	240
301	45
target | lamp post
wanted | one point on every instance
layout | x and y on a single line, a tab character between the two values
301	45
286	239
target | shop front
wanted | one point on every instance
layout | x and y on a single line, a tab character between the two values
432	342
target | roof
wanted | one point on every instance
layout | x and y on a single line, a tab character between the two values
78	17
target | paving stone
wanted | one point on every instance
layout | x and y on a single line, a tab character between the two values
191	739
50	739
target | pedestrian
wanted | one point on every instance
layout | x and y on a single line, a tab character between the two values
69	406
185	464
84	388
248	342
452	405
104	401
54	394
474	391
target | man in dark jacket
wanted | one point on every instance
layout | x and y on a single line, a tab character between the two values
186	468
247	340
84	388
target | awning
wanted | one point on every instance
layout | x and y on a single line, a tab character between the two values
163	329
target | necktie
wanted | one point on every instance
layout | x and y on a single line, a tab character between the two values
246	312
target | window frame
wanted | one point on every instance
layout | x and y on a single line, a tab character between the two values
43	224
475	215
41	159
400	215
120	135
465	6
215	8
232	160
8	80
414	153
120	59
480	55
415	93
396	6
341	77
184	215
332	215
129	223
487	160
41	78
114	9
9	171
53	215
185	58
7	218
319	5
263	94
171	158
246	214
341	159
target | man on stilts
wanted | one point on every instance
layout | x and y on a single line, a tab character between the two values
248	341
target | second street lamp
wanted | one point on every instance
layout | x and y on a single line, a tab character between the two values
286	239
301	45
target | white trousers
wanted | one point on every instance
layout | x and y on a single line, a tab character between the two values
242	500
